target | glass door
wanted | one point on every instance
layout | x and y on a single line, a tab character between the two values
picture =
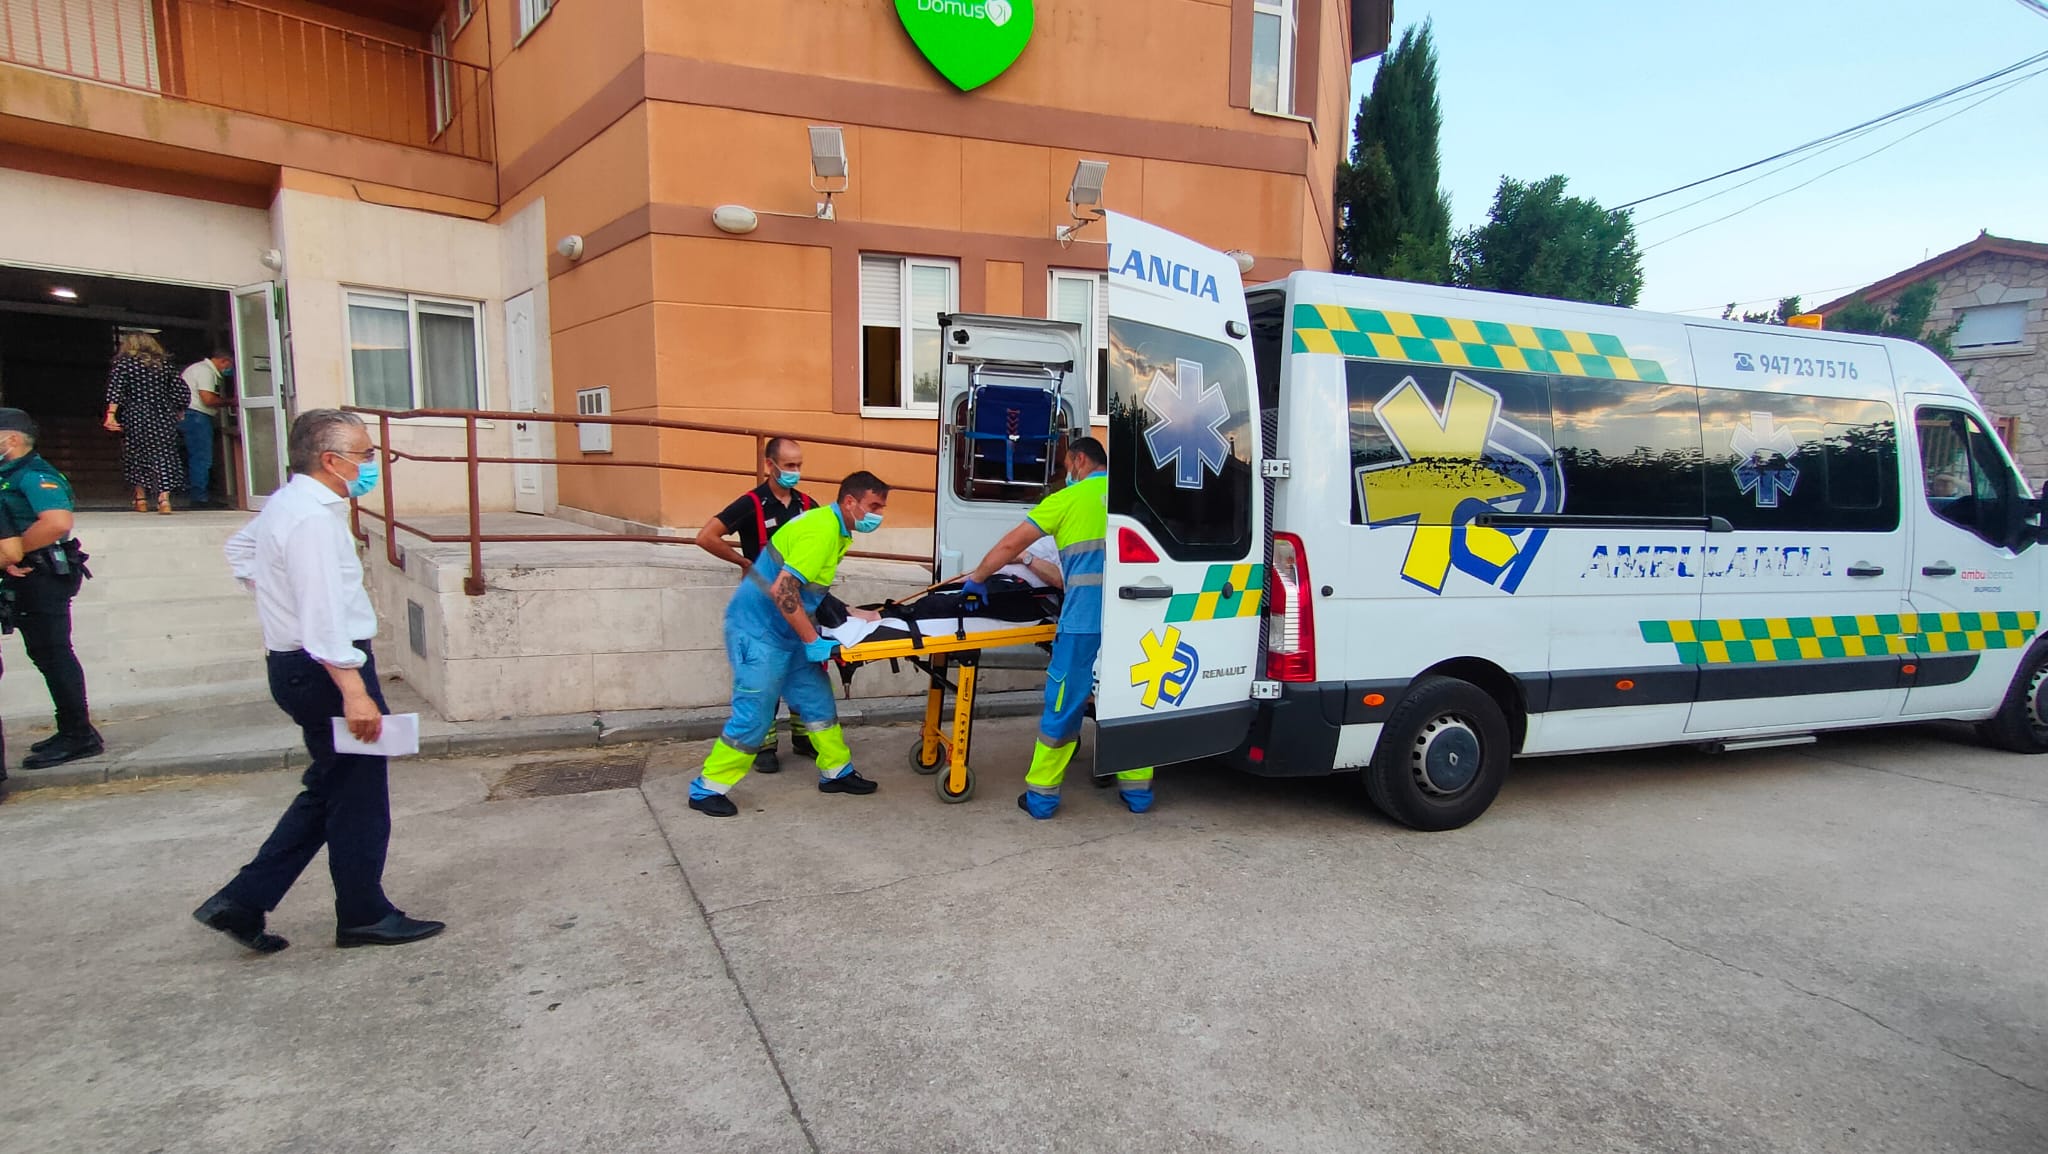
259	400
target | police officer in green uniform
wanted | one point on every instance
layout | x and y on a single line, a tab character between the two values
10	554
37	498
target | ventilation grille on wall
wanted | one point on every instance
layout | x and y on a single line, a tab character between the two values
595	402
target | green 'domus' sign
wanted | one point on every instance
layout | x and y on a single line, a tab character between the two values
970	42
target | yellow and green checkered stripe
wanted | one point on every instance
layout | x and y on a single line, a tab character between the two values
1247	585
1475	344
1751	639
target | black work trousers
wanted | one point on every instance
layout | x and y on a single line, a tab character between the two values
42	615
345	805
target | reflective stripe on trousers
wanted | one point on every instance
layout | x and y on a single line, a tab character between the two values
762	673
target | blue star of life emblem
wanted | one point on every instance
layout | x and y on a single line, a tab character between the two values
1187	433
1765	470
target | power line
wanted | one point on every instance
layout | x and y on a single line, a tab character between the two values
1873	122
1992	95
2036	7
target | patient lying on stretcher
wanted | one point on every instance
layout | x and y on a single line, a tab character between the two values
1025	592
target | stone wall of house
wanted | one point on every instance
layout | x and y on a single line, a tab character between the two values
2010	380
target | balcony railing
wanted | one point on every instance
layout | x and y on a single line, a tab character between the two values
246	57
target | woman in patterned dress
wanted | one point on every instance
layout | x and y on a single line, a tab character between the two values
145	399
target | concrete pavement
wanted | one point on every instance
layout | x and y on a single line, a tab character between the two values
1835	948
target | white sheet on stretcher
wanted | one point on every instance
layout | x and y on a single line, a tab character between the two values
855	631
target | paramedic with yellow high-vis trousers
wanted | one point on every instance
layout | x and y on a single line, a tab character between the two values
776	651
1078	518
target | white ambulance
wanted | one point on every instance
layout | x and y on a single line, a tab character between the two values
1417	532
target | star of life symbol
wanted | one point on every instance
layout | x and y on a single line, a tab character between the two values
1187	432
1765	470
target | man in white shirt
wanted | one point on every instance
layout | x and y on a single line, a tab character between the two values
298	558
1038	565
205	380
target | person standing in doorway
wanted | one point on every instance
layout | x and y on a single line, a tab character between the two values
206	381
146	398
754	516
299	560
36	498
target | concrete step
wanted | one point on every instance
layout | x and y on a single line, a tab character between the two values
161	650
98	618
23	696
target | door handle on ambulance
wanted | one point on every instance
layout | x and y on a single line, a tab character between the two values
1862	569
1145	592
1938	569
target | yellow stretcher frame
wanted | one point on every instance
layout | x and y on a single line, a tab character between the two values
932	655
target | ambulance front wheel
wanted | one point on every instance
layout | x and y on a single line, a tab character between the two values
917	761
945	784
1442	757
2021	723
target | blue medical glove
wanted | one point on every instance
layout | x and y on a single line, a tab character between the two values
819	650
976	594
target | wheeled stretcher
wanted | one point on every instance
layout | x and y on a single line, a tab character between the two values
946	646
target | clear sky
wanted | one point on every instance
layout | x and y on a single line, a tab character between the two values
1628	99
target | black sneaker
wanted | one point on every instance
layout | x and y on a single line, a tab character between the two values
767	762
849	782
238	922
717	805
63	750
801	746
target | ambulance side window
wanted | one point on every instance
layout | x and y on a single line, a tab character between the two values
1780	461
1628	448
1437	444
1966	480
1181	425
1269	334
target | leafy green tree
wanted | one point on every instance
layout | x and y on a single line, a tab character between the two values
1393	219
1787	307
1539	242
1906	318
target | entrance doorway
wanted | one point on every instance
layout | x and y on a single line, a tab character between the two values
58	332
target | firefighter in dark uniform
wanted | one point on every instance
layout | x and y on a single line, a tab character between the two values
37	498
753	517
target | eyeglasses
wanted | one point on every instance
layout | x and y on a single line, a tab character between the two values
362	457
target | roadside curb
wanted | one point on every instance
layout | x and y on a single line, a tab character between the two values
511	736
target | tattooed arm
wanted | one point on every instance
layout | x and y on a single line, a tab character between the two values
787	593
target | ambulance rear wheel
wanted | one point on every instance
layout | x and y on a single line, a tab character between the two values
2021	723
945	784
1442	757
917	761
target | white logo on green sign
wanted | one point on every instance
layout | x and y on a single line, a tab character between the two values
970	42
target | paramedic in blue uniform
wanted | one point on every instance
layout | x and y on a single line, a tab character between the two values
754	517
776	649
1077	519
37	499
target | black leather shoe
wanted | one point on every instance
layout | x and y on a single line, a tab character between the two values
766	761
64	749
717	805
849	782
238	922
395	930
801	746
46	743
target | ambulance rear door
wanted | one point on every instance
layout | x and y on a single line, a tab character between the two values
1185	575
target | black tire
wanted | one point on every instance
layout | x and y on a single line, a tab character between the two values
2019	725
1435	732
917	761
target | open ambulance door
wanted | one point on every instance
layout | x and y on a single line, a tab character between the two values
1184	583
1013	392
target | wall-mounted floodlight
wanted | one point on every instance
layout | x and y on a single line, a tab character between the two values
1244	260
1084	197
828	164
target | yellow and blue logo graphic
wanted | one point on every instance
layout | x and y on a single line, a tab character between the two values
1454	463
1167	670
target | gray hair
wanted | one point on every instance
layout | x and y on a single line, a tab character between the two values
318	431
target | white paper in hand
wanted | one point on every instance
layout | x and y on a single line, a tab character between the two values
401	737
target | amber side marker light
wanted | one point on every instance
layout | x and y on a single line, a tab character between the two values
1624	685
1375	699
1909	670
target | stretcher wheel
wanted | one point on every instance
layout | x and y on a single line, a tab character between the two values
948	796
918	763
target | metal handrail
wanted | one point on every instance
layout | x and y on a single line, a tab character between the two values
476	538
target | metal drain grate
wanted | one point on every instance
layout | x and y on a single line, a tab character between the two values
561	778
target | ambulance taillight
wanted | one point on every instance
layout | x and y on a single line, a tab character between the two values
1290	613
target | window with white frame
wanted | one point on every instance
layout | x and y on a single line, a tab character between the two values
414	352
444	76
464	9
531	13
1083	298
900	302
1987	326
1273	56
